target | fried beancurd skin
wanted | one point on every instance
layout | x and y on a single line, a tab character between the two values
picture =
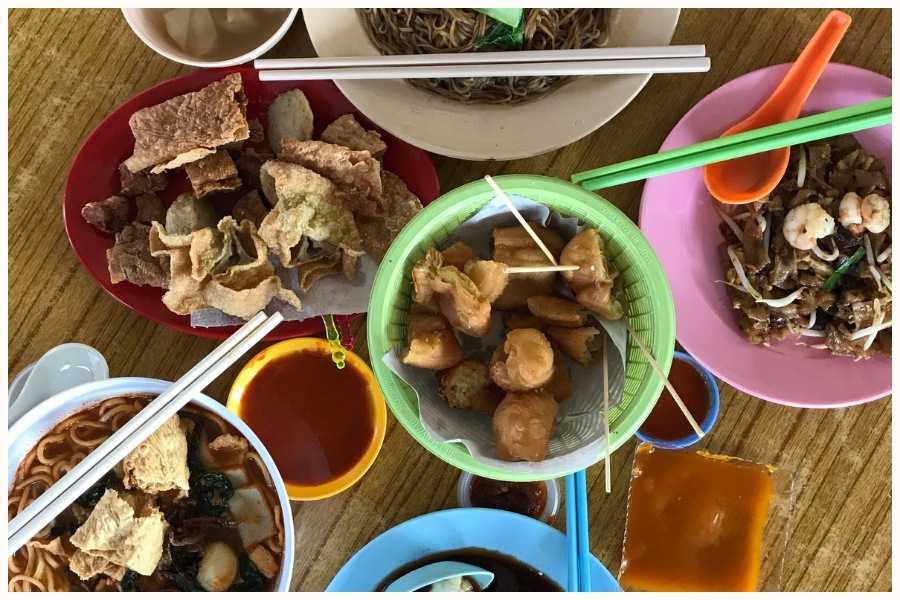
560	387
583	344
524	362
560	312
431	344
595	282
523	424
453	293
489	277
457	255
468	386
514	247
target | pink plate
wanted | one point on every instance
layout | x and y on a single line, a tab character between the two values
679	219
94	176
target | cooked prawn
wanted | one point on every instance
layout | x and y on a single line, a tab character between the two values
804	225
872	213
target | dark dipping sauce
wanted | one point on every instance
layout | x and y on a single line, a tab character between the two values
315	420
666	421
527	498
510	574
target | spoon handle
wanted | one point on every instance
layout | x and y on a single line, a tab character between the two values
334	341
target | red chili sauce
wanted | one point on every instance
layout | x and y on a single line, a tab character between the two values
527	498
315	420
666	421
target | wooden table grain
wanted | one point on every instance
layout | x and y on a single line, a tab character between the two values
69	68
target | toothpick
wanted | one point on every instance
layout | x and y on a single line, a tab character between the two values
665	379
547	269
606	414
521	219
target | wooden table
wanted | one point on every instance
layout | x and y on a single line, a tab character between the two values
69	68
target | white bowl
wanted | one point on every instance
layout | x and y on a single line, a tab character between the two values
28	430
152	35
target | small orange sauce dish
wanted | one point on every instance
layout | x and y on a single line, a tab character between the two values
322	425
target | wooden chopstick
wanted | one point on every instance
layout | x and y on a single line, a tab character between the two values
562	68
475	58
105	456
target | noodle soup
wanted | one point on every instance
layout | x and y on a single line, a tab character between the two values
221	528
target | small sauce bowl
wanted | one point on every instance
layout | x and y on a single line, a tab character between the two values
518	497
324	426
666	426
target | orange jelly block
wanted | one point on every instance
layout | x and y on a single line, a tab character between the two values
695	522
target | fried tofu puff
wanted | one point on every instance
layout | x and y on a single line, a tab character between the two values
523	424
457	255
514	247
524	361
469	386
431	343
560	387
596	284
489	276
453	293
558	311
583	344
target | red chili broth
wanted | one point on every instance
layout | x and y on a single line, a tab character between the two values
666	421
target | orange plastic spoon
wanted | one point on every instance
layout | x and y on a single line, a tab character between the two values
750	178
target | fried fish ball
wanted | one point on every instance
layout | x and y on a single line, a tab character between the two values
583	344
524	361
489	276
558	311
594	283
560	387
431	344
453	293
521	318
468	386
514	247
523	424
457	255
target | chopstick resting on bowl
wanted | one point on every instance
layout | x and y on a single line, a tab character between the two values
799	131
579	550
105	456
587	61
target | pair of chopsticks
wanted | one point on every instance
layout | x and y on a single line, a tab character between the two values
799	131
105	456
578	543
588	61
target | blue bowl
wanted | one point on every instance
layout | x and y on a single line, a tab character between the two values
712	412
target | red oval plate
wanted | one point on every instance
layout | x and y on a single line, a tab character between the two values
94	176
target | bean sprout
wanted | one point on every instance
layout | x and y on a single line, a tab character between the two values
734	226
801	168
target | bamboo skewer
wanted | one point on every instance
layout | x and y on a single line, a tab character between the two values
521	219
541	269
606	414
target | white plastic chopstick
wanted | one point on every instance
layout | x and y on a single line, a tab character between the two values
471	58
581	67
105	456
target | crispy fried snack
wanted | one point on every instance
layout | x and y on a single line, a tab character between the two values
524	361
457	255
515	248
521	318
558	311
523	424
468	386
583	344
345	131
431	344
453	293
213	173
560	387
489	276
596	284
401	205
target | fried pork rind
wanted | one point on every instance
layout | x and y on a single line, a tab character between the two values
468	386
560	387
130	259
308	224
431	344
188	214
583	344
110	215
490	276
345	131
149	208
558	311
453	293
189	127
457	255
250	208
515	248
400	206
524	361
355	173
523	424
213	173
143	182
596	284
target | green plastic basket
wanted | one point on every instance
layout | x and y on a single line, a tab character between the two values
651	312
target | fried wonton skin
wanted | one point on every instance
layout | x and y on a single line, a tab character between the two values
524	361
560	387
514	247
214	173
558	311
431	343
457	297
583	344
468	386
130	259
188	127
489	276
400	206
188	214
346	131
457	255
594	283
523	424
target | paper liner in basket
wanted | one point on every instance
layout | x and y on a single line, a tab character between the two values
578	439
